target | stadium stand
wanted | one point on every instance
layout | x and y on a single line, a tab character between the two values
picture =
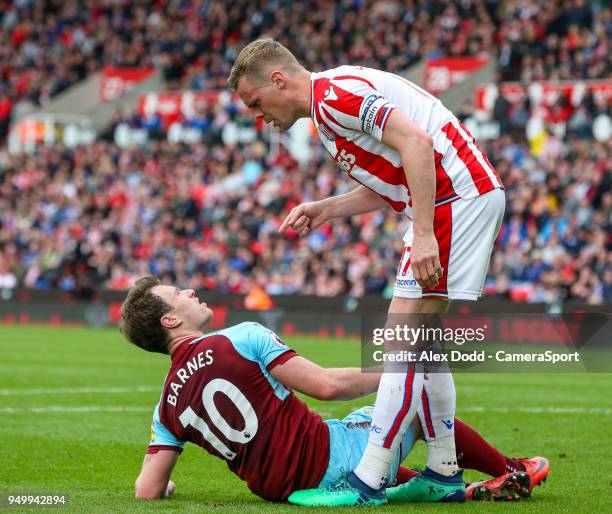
204	213
45	46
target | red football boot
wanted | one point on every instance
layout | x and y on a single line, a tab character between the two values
538	468
508	487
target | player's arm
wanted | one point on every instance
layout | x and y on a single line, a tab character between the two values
154	481
311	215
358	201
325	383
416	152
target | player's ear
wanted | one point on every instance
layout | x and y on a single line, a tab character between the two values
278	79
169	320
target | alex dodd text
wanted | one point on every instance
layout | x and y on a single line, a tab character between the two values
547	356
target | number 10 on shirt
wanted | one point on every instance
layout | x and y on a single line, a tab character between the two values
189	417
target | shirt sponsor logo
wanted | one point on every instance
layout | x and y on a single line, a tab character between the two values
359	425
406	282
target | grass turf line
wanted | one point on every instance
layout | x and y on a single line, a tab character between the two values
95	456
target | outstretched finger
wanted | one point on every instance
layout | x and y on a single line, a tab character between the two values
284	226
295	213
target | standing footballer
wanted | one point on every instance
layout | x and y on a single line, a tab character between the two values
406	150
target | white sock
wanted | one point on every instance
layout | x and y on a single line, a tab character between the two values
442	456
394	410
437	416
373	468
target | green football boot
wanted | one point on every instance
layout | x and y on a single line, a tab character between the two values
429	486
350	491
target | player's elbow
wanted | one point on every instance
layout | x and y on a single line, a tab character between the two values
147	494
417	144
422	140
329	389
327	393
141	495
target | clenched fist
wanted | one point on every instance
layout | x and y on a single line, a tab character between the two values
425	260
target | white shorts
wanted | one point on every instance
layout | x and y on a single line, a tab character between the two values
466	231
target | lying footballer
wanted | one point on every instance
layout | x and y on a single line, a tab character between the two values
267	436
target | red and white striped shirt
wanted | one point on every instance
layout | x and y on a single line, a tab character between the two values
350	106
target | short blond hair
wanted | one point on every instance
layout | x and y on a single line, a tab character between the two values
254	58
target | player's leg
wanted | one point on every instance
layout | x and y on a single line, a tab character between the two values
399	396
348	440
475	452
436	414
358	441
472	240
419	307
511	480
465	249
441	481
466	231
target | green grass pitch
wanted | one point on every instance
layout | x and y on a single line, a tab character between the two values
76	407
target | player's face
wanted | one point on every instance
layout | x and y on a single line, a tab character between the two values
186	306
269	102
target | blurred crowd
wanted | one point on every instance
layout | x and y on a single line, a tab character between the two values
201	206
555	242
48	45
586	116
553	40
206	215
